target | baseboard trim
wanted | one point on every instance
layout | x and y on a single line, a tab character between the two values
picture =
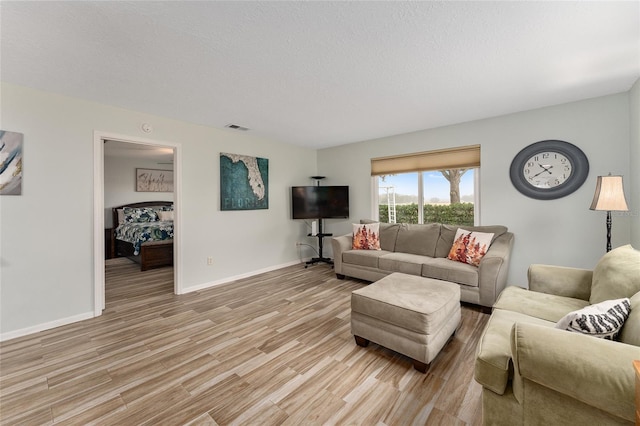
45	326
227	280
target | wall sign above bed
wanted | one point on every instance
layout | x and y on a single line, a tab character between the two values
151	180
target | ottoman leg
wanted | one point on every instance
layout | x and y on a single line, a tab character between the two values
361	341
421	366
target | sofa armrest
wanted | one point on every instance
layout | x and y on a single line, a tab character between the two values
494	268
560	281
340	244
594	371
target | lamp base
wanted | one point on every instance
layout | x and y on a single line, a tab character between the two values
608	231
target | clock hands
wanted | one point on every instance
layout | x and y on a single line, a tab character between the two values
544	169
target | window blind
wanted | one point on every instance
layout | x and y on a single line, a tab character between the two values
453	158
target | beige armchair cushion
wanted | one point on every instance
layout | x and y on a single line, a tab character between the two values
540	305
616	275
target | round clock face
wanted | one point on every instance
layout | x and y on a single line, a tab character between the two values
549	169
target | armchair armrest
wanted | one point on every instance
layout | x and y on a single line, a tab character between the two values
594	371
340	244
560	280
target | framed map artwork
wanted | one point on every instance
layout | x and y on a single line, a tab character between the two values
244	182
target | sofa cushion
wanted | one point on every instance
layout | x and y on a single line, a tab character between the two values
604	319
402	262
388	234
494	366
363	257
366	236
616	275
450	270
539	305
418	239
630	333
469	246
448	233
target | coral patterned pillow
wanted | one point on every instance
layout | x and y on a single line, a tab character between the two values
470	247
366	236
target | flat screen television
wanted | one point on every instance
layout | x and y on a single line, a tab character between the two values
320	202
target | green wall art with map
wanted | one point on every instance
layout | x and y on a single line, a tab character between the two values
244	182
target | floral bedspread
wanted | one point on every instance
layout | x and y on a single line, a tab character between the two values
137	233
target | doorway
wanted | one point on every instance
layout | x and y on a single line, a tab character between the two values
100	212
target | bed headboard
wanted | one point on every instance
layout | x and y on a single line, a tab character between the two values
114	210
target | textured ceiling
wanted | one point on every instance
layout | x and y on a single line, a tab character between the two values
320	74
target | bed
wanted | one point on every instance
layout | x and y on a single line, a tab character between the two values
143	232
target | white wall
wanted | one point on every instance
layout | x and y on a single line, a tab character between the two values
633	196
46	247
120	183
559	232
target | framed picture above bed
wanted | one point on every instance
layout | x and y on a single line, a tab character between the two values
152	180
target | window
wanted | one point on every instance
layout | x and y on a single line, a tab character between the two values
436	186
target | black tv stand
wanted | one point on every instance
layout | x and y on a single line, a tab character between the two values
320	258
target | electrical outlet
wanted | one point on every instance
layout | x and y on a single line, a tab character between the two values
209	260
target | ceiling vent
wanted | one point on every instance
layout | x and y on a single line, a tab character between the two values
236	127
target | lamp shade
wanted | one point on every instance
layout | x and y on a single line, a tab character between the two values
609	194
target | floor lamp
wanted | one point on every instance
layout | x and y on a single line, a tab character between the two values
609	197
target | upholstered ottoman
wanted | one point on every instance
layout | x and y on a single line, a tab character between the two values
412	315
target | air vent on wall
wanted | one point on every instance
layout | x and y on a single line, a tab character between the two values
236	127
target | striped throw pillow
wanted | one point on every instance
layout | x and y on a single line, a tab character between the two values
604	319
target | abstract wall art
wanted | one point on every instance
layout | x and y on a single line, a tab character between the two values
11	162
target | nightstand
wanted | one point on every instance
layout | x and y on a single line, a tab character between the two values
108	243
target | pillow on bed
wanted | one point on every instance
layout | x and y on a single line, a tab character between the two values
159	209
120	216
165	216
142	214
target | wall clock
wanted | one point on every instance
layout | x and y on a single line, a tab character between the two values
549	169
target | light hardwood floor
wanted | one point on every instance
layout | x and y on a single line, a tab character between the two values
268	350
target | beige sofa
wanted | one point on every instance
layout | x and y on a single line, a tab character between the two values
422	250
533	373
